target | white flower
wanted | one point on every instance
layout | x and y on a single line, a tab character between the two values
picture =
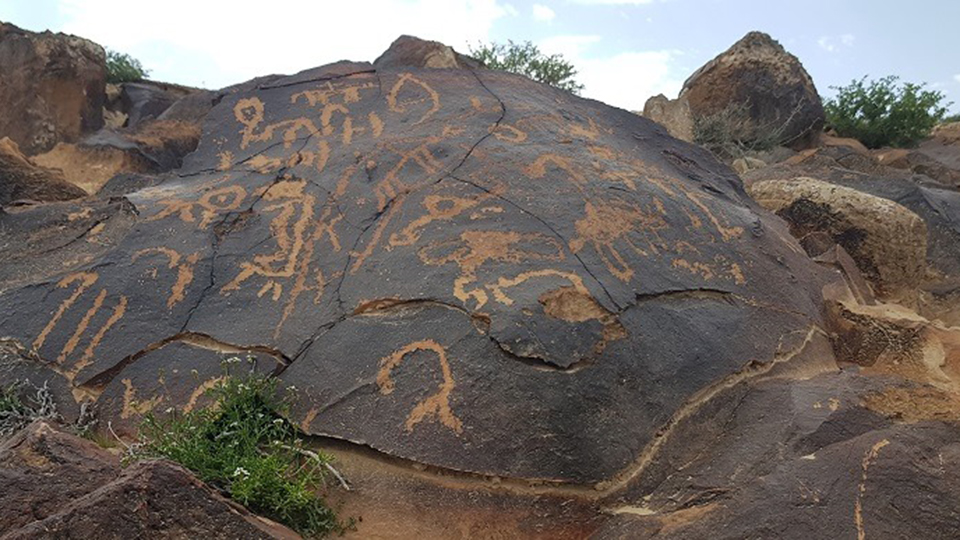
241	472
278	421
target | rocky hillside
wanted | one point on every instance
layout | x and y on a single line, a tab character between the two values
506	311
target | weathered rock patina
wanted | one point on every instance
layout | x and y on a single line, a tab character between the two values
461	268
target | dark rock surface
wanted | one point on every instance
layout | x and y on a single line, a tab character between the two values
822	458
462	268
755	92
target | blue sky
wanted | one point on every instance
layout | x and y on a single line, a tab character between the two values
626	50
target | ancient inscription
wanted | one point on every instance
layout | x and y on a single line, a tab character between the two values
83	281
437	405
184	267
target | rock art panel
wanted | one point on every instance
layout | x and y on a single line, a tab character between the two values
459	268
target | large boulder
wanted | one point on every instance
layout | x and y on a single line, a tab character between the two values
755	93
413	52
53	87
141	101
888	241
21	180
500	296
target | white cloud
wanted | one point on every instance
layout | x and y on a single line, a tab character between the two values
829	44
222	43
612	2
957	77
826	44
543	13
625	79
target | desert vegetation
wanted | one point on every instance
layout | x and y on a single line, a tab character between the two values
526	59
243	446
885	112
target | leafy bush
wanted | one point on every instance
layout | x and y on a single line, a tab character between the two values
951	119
123	68
526	59
244	447
885	113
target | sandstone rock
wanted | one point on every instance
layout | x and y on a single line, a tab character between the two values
844	142
90	167
22	180
674	115
412	52
154	146
888	242
141	101
43	469
920	163
53	88
58	485
153	500
938	206
744	164
513	312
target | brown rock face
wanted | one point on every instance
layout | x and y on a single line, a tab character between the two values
412	52
673	114
755	92
22	180
53	87
758	73
56	485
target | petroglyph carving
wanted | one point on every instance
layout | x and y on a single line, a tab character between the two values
85	281
610	222
437	405
401	106
183	265
212	204
474	248
439	208
133	407
868	460
297	234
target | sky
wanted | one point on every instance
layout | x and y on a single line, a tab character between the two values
625	50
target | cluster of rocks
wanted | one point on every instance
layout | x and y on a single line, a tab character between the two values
507	311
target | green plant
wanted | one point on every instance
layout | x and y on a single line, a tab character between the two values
951	119
243	446
885	113
123	68
526	59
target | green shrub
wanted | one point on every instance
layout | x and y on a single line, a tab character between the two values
885	113
526	59
243	446
951	119
123	68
